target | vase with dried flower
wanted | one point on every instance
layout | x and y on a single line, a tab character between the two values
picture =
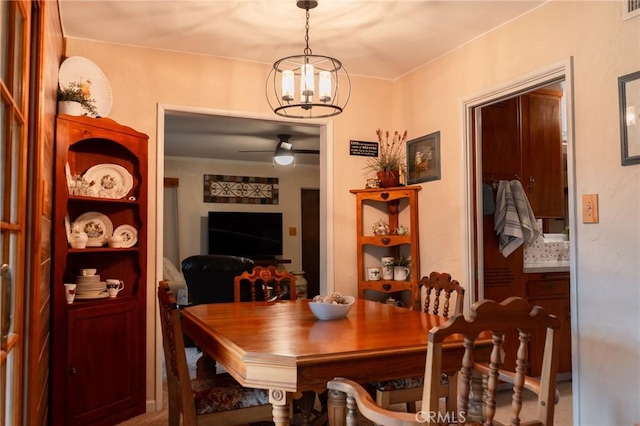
390	160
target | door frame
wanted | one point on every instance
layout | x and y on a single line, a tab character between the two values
327	285
559	70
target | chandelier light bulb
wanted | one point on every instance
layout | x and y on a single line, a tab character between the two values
306	84
324	86
287	85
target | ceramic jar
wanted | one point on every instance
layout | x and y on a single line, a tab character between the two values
78	239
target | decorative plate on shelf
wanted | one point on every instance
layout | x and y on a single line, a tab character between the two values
97	226
129	235
91	78
67	172
67	227
109	180
90	296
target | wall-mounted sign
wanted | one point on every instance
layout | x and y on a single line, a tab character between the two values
363	149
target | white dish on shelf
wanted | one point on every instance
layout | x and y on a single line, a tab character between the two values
97	226
67	227
91	77
67	172
89	296
109	180
129	235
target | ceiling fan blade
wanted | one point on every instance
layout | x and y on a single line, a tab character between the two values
295	151
271	151
306	151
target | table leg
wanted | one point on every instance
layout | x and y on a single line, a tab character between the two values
281	401
305	404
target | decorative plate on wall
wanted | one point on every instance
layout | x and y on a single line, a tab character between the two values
91	78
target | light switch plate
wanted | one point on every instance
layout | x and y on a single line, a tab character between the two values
590	208
293	231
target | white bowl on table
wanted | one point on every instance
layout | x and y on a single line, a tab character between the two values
332	311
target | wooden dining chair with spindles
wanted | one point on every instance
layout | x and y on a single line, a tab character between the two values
439	295
349	400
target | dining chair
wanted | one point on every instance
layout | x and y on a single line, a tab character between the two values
439	295
215	400
264	283
486	315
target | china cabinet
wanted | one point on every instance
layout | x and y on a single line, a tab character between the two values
98	356
380	213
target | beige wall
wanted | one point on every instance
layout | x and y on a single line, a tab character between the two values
190	171
606	319
605	315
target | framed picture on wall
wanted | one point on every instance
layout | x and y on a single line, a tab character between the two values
423	158
629	97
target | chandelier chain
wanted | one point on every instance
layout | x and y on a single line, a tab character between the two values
307	50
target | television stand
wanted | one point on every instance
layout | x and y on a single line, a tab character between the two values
270	261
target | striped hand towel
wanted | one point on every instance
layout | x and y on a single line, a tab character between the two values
514	220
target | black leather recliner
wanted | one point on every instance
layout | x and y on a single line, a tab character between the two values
209	277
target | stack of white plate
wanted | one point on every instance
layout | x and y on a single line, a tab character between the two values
88	286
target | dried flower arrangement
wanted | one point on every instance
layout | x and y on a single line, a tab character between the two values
391	156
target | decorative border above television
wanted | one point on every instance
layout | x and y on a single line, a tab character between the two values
240	189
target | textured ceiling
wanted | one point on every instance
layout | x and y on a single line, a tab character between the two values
373	38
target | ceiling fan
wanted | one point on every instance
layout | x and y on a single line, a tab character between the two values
283	154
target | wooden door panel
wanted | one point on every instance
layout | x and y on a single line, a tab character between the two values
542	145
100	350
310	239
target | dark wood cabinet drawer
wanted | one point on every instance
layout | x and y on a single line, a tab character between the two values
548	287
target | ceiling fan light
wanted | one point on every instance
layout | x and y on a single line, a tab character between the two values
284	154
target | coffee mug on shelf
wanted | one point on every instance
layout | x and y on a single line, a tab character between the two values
70	292
114	286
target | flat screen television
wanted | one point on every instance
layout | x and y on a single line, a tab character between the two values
247	234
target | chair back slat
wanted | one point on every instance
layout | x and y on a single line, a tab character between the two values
438	289
513	313
259	279
178	380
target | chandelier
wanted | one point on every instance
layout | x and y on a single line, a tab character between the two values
323	83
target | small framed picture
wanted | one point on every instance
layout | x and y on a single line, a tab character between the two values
629	97
423	158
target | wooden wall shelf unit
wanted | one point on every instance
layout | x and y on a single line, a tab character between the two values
98	345
396	206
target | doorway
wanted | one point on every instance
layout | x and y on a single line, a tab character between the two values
310	239
474	254
325	128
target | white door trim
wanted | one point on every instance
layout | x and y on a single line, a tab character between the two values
538	78
327	284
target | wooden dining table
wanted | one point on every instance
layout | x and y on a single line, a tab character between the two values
282	347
